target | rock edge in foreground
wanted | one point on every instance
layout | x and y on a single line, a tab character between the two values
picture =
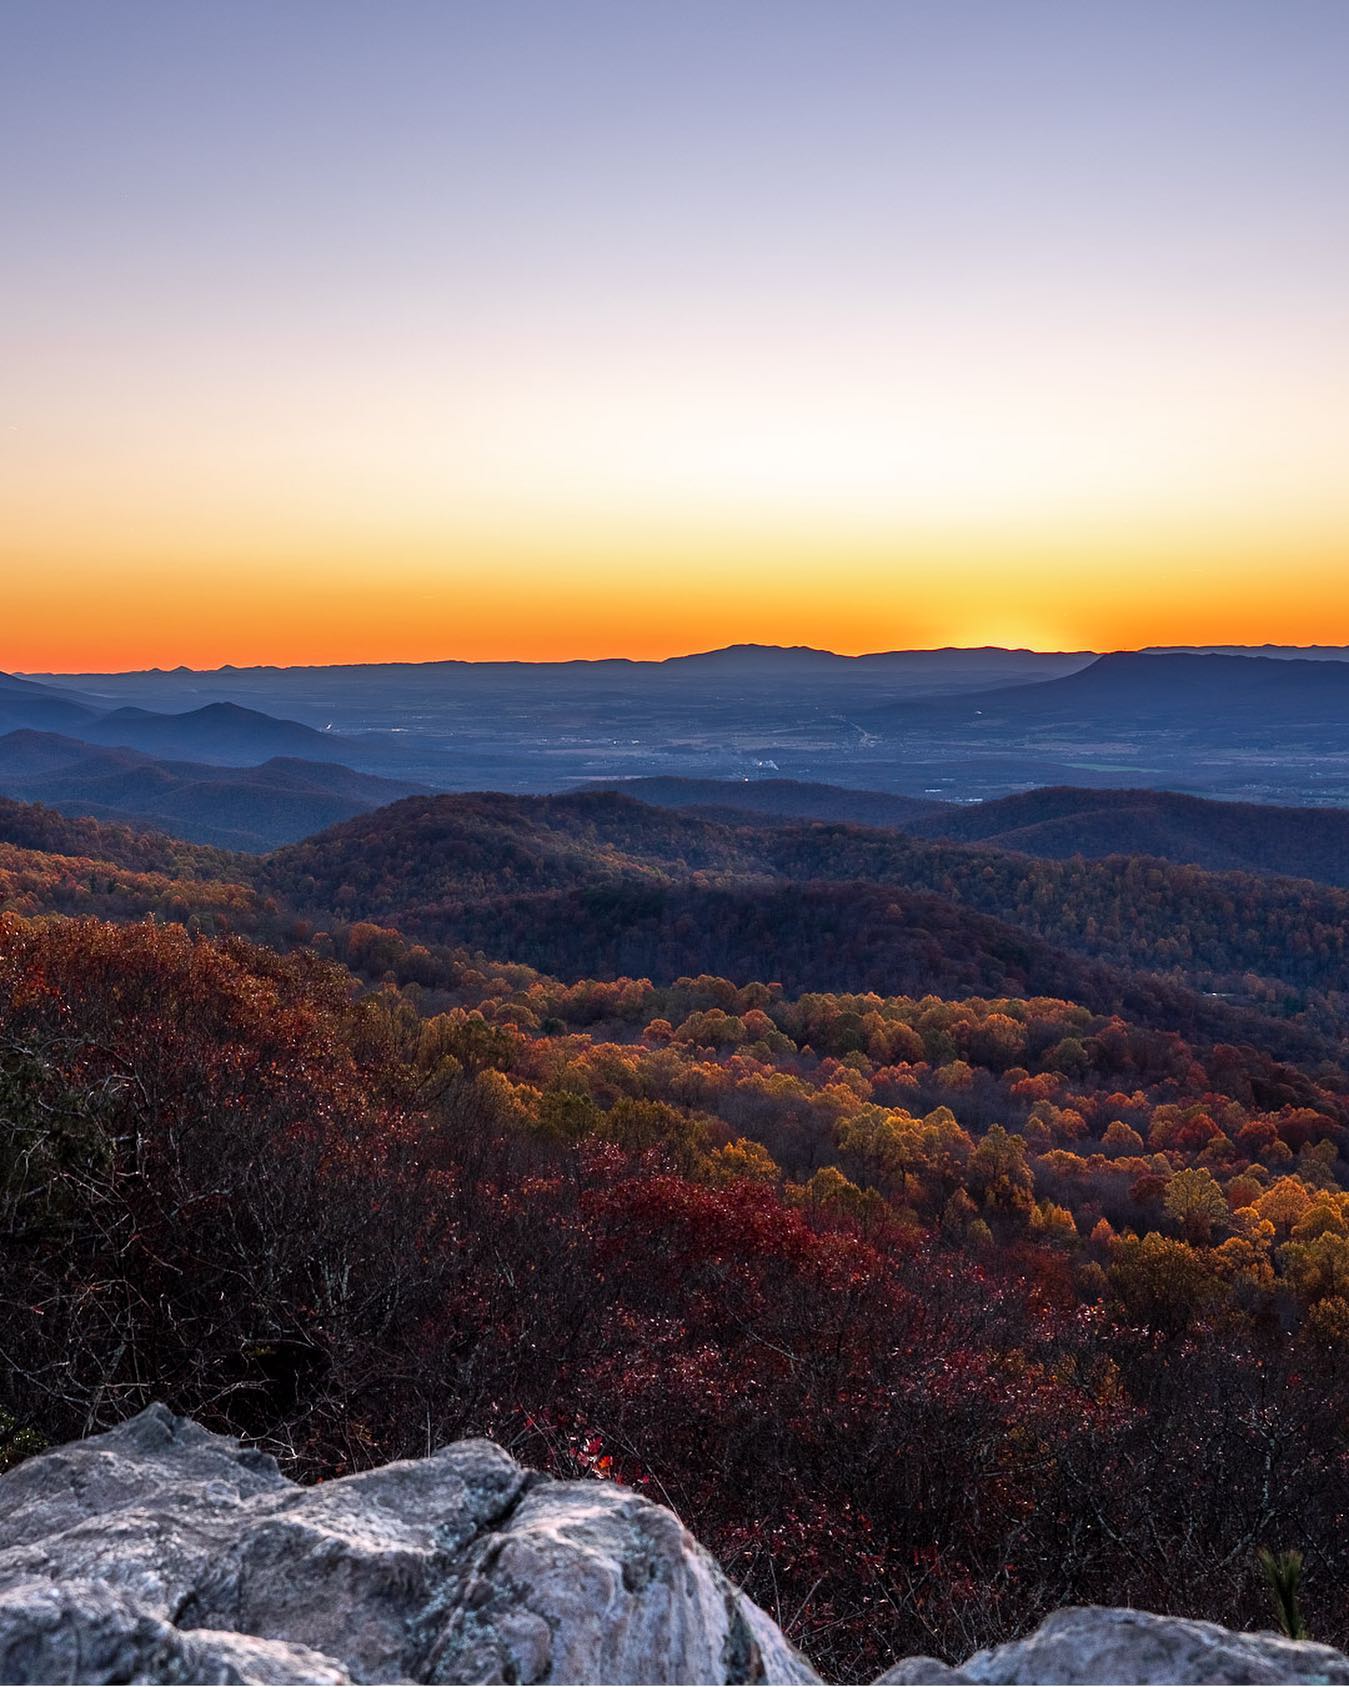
159	1552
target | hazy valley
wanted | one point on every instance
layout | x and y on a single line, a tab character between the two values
945	724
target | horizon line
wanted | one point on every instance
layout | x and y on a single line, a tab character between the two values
664	661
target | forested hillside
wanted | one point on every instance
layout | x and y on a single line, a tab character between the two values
1300	843
514	876
1055	821
788	799
33	827
918	1261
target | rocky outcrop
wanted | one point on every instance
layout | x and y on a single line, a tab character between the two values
160	1552
84	1631
1097	1644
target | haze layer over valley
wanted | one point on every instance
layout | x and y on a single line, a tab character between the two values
953	725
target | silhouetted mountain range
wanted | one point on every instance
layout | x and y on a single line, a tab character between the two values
218	732
948	723
952	665
1128	688
46	708
1281	652
952	669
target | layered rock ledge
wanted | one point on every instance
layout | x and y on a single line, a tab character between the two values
159	1552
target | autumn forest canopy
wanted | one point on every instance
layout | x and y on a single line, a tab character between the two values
947	1232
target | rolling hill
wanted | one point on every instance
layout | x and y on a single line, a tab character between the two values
441	852
33	827
788	799
26	704
245	808
597	884
217	732
1055	822
1060	822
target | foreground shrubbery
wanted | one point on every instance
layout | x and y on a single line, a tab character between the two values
925	1316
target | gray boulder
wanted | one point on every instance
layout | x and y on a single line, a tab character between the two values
921	1672
160	1552
1098	1644
83	1631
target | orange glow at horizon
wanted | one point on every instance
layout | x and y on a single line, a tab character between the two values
659	600
537	517
1052	493
644	330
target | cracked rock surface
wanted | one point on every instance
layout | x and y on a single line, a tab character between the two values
1098	1644
161	1552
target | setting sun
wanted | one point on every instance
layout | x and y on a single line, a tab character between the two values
561	390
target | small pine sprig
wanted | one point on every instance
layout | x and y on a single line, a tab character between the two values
1283	1575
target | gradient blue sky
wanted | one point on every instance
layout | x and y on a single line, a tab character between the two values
404	329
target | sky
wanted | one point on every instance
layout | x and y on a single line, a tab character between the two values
409	329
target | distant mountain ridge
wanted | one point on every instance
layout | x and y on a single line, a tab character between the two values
23	703
1279	652
220	732
244	808
963	725
1128	687
722	655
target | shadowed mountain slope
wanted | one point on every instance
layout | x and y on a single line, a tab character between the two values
788	799
44	708
1058	822
598	885
218	732
1055	822
825	936
250	808
1128	688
